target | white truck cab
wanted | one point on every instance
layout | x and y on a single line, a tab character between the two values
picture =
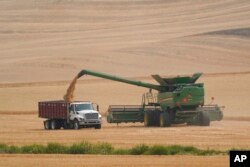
74	115
85	114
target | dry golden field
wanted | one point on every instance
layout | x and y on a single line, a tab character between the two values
44	44
224	135
112	161
21	127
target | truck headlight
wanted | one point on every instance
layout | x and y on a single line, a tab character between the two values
99	116
81	119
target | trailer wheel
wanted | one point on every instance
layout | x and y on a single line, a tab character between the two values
98	126
165	119
204	119
47	125
59	124
76	124
53	124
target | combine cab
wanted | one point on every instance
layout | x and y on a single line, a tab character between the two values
178	100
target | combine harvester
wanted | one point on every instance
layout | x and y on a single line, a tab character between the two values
178	100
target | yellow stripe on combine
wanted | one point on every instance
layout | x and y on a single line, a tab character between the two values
166	99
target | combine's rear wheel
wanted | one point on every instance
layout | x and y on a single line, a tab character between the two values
204	119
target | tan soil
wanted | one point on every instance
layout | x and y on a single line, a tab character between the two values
224	135
112	161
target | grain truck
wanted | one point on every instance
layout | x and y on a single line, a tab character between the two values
74	115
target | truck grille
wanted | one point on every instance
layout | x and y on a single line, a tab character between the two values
91	116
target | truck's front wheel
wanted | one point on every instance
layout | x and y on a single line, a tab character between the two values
98	126
76	124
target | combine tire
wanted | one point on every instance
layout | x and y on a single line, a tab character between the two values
165	119
156	117
76	124
47	125
204	119
148	118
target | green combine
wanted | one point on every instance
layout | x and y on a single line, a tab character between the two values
178	100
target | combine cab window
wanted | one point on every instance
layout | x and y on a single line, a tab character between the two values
80	107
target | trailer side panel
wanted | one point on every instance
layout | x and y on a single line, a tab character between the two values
53	109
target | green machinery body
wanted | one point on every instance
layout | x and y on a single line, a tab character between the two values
178	100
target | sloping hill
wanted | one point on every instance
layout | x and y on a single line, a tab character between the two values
53	40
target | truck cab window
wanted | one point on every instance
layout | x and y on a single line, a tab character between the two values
80	107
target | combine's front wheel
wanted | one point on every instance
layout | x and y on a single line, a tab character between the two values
146	119
149	118
165	119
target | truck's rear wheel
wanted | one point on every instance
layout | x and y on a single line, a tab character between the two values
65	125
76	124
54	124
204	119
98	126
47	125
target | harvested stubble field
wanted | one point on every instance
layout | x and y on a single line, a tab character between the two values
43	44
24	127
222	135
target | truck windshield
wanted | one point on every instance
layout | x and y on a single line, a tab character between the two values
79	107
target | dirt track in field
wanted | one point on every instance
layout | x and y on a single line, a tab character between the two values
111	161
